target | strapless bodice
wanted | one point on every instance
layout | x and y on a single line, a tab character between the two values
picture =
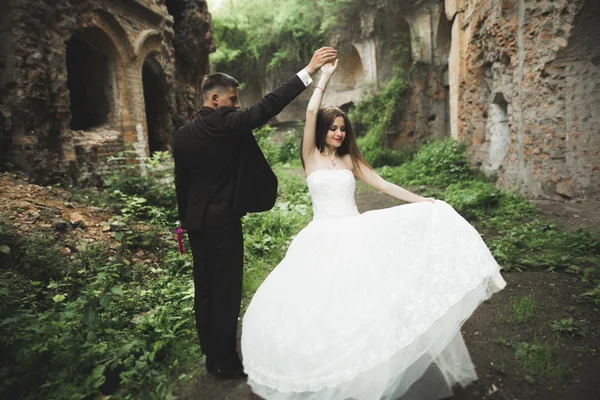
332	193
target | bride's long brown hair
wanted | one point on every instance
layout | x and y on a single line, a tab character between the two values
325	119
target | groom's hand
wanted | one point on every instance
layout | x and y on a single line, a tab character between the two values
320	58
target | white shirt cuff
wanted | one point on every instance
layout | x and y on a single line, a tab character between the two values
304	77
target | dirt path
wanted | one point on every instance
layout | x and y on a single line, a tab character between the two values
493	328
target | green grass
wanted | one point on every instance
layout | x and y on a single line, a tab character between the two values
568	327
523	308
539	359
96	323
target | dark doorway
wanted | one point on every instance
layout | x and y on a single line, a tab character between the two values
6	73
89	80
157	115
176	9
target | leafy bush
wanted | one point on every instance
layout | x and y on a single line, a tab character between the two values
375	114
145	187
594	294
274	36
473	199
539	243
266	143
377	155
289	150
538	359
439	163
35	255
523	308
292	188
105	324
568	327
108	327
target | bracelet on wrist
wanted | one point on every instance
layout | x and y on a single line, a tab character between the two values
318	87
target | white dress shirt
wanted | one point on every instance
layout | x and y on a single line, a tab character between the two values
304	77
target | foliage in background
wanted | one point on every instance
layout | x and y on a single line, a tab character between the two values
375	116
437	164
288	151
257	36
254	37
340	14
144	190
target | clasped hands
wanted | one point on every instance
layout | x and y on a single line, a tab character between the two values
323	59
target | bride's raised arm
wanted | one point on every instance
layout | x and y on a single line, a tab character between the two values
309	142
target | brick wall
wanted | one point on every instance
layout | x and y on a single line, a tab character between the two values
539	60
35	102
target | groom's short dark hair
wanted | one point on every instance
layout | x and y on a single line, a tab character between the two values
218	80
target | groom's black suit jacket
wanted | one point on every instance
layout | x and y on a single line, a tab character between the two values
220	172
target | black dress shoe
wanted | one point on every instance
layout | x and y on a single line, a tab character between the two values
210	365
226	369
235	372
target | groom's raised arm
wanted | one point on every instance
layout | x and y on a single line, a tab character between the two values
274	102
271	105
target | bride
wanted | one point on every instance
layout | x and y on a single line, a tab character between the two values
365	306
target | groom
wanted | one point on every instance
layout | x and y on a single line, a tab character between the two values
221	174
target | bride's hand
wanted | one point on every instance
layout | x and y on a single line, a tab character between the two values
330	67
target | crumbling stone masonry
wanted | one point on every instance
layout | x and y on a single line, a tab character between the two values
81	80
525	92
367	61
517	80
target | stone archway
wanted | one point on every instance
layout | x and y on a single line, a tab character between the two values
92	80
497	131
6	73
158	120
345	86
442	52
574	148
350	72
394	43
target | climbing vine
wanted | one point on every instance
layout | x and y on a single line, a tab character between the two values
375	115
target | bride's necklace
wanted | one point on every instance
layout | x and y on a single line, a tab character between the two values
331	160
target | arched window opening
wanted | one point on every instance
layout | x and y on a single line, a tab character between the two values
6	71
498	131
90	78
393	43
350	71
347	107
157	115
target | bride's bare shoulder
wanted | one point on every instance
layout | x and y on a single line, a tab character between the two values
347	160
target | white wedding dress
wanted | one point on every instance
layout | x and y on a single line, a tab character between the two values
368	306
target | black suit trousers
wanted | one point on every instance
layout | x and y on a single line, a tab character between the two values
218	271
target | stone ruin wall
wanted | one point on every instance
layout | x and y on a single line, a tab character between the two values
366	65
83	80
517	80
525	92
